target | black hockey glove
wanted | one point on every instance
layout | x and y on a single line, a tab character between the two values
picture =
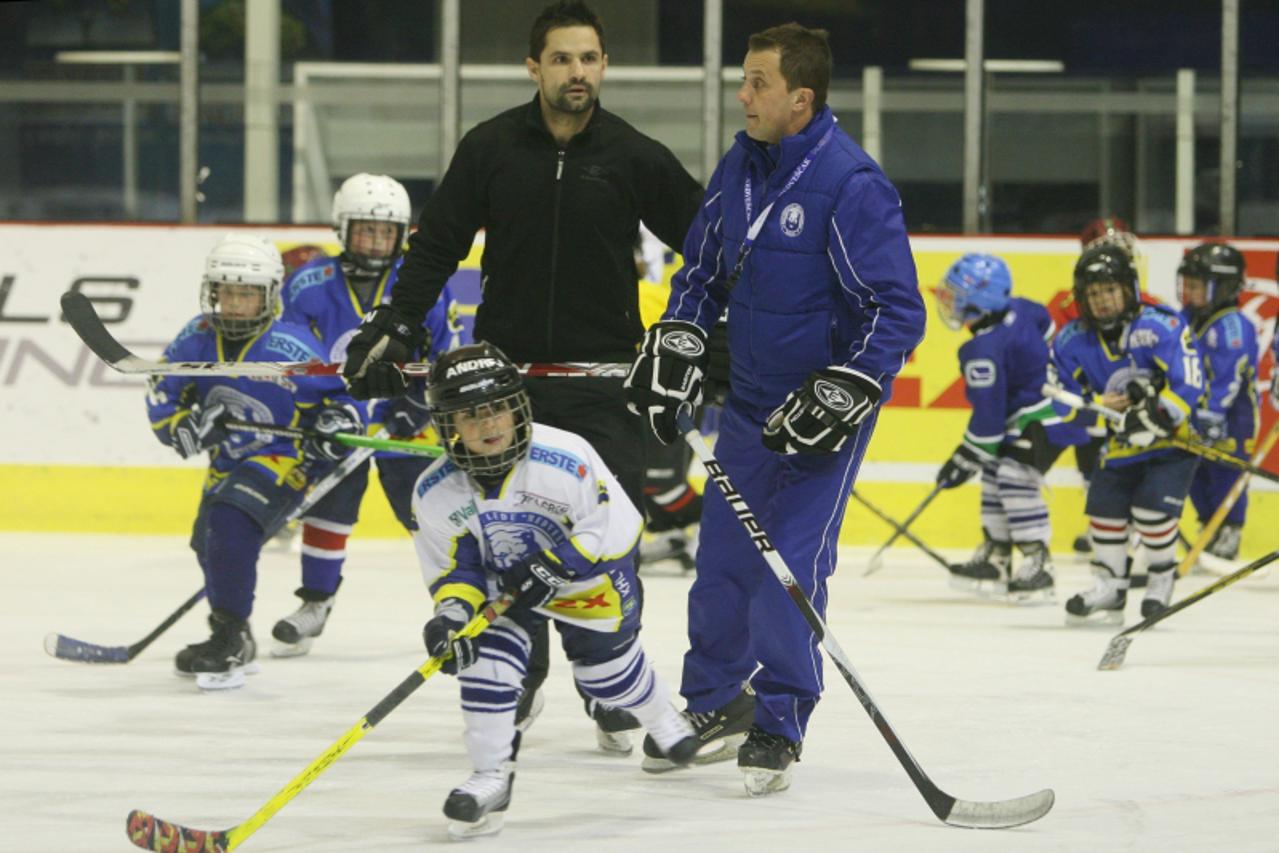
666	375
534	582
383	341
450	617
329	421
820	415
719	366
1145	421
405	417
196	429
962	466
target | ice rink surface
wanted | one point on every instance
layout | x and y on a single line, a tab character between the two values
1176	751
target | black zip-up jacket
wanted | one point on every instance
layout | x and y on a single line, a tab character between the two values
558	270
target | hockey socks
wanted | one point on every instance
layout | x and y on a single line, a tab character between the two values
323	553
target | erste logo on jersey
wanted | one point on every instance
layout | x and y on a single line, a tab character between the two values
792	220
1140	338
980	373
558	459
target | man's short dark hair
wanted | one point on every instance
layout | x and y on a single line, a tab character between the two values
805	57
565	13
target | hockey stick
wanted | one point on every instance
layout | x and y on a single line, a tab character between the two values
69	648
877	560
78	311
151	833
371	442
1118	648
1232	497
999	814
887	519
1205	451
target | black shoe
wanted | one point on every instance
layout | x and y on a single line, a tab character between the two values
719	733
766	759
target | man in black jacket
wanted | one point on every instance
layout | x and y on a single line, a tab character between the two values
560	186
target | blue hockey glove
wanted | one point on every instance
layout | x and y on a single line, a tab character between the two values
666	375
534	582
962	466
195	429
451	615
383	341
820	415
1211	425
405	417
329	421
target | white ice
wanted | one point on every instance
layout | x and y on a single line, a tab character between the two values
1176	751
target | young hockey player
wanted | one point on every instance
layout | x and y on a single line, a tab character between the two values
1004	366
527	509
1208	284
330	296
1140	359
253	479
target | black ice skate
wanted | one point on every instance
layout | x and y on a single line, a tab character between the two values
477	806
679	545
1103	604
1082	544
1218	558
1158	589
765	760
986	572
719	733
528	709
612	727
294	633
222	661
1033	582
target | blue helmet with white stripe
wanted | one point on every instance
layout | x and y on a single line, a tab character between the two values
974	286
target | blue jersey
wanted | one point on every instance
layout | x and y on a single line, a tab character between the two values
285	400
1155	346
1004	366
1227	343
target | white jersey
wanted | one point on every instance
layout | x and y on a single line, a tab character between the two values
559	498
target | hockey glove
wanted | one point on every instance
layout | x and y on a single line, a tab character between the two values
719	366
451	615
1145	421
821	414
962	466
405	417
329	421
534	582
195	429
666	375
383	341
1211	425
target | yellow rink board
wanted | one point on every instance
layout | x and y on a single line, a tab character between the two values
162	501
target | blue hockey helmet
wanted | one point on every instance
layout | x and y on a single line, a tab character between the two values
974	286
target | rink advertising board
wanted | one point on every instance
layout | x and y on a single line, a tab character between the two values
75	453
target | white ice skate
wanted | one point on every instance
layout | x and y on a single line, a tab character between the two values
1158	590
1101	605
294	633
477	806
1033	582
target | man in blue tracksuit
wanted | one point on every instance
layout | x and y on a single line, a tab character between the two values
801	237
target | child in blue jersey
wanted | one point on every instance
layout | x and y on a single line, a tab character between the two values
1208	284
330	296
1140	360
1004	365
254	479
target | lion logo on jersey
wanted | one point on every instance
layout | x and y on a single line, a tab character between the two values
792	220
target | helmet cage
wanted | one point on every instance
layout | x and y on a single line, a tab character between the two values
243	261
1100	265
478	381
1222	270
370	198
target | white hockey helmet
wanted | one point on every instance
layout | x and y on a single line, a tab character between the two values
377	198
247	260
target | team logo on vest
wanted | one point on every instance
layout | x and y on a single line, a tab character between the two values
684	343
835	398
792	220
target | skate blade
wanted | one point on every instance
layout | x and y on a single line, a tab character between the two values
281	649
761	783
980	588
1100	618
231	680
614	743
490	824
1033	598
714	752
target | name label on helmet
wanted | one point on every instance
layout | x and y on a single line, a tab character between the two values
473	365
558	459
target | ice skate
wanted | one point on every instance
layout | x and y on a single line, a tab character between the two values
612	727
1219	558
1158	590
719	733
679	544
294	633
222	662
1082	545
477	806
1033	582
986	572
1101	605
528	709
765	760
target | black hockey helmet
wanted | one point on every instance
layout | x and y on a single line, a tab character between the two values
478	381
1106	264
1220	267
